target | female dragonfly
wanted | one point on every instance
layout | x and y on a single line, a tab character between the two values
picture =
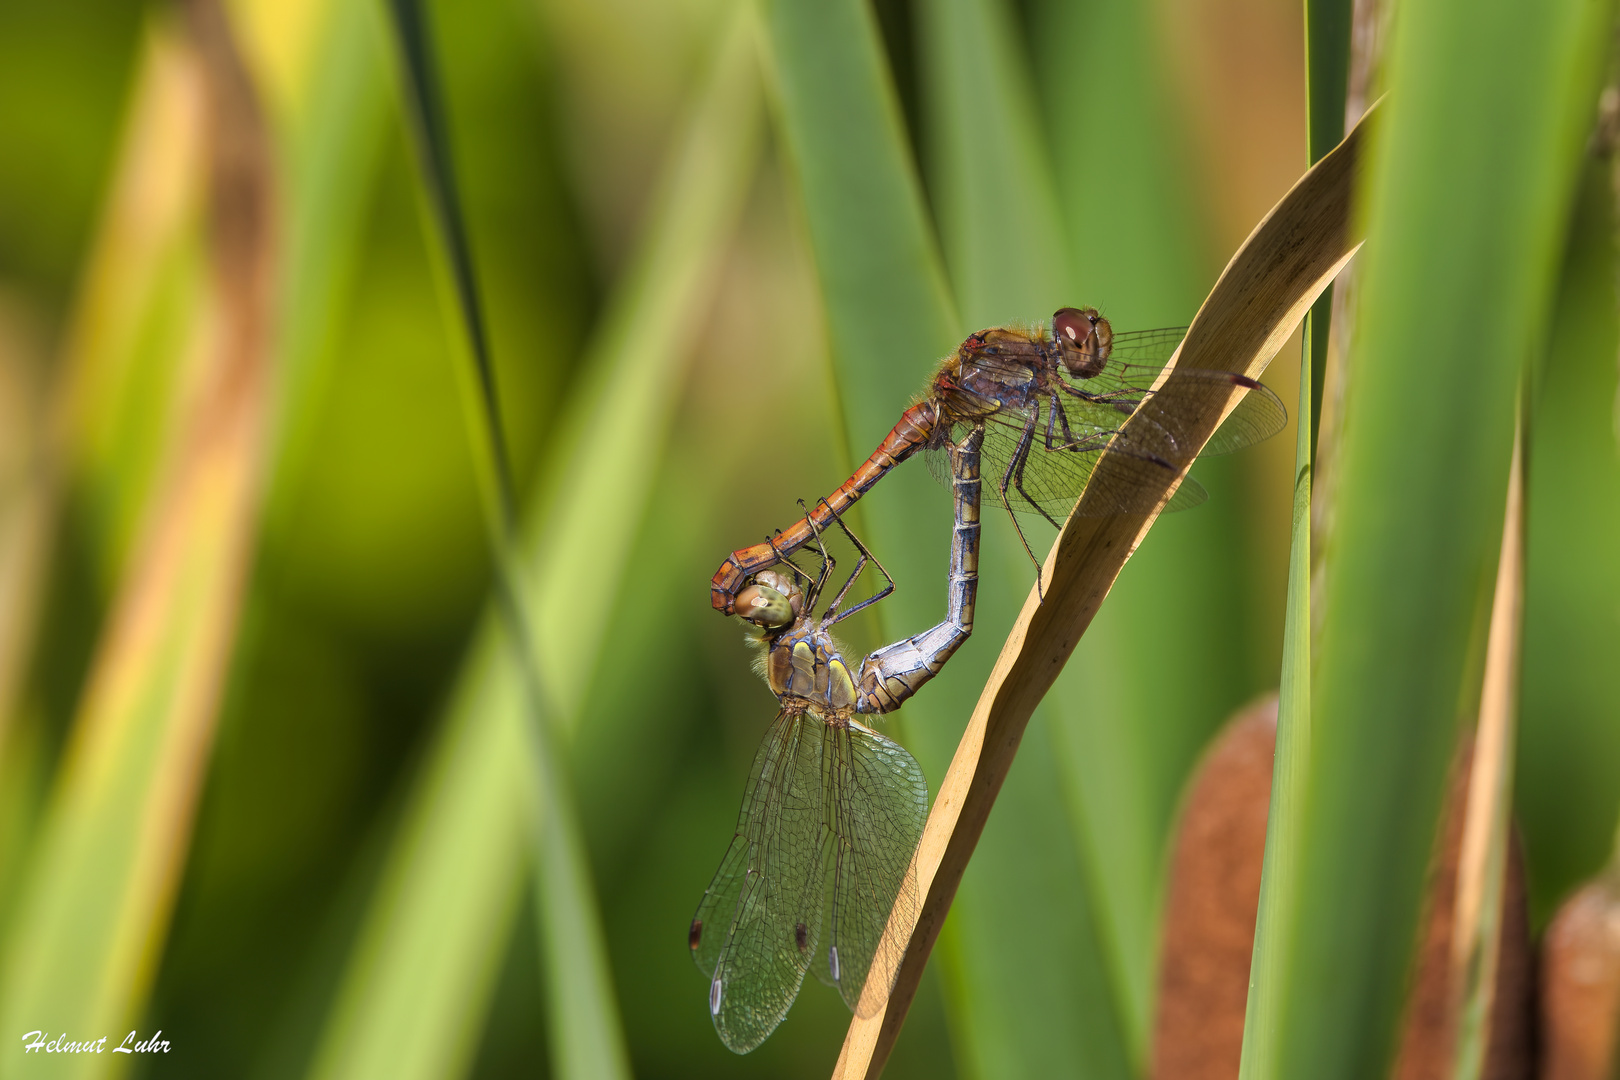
822	853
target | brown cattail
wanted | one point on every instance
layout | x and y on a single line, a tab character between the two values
1580	985
1214	894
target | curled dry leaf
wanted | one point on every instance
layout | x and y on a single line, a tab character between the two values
1261	296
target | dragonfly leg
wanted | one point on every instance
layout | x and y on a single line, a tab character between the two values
860	562
1125	399
1062	418
915	429
866	557
827	564
1093	441
1014	465
893	673
786	559
1018	463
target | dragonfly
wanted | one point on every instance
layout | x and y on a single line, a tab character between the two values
1049	400
833	810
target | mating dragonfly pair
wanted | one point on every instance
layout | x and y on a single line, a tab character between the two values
832	807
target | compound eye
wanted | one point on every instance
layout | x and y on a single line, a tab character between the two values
1072	326
764	606
1083	337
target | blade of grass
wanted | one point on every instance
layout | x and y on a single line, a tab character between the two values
131	333
1261	297
28	507
1365	84
437	925
1039	995
1327	60
595	498
889	311
1127	734
1454	295
96	901
1482	861
28	497
1327	85
418	983
587	1036
1568	797
1279	877
995	194
140	273
335	124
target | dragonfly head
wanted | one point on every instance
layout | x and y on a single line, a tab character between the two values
1084	339
772	601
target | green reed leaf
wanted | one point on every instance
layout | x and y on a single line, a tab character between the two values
1128	731
1568	799
451	888
586	1032
1327	63
94	905
1456	290
1038	995
1279	904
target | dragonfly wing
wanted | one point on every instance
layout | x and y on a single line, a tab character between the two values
1050	480
1147	348
879	805
713	919
1190	494
1259	416
760	920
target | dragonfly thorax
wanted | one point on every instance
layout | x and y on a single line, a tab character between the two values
804	663
1001	368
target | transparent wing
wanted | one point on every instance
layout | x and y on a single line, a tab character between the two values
759	923
1134	364
1058	439
879	805
1154	346
1052	479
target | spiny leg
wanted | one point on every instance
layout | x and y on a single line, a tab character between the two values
860	563
827	564
1094	441
1019	462
1060	415
1018	455
787	560
1125	399
866	556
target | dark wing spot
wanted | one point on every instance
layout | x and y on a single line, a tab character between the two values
801	935
695	935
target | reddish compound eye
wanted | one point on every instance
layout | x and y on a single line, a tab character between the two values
1072	326
1083	338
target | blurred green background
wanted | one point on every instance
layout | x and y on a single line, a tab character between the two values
640	189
